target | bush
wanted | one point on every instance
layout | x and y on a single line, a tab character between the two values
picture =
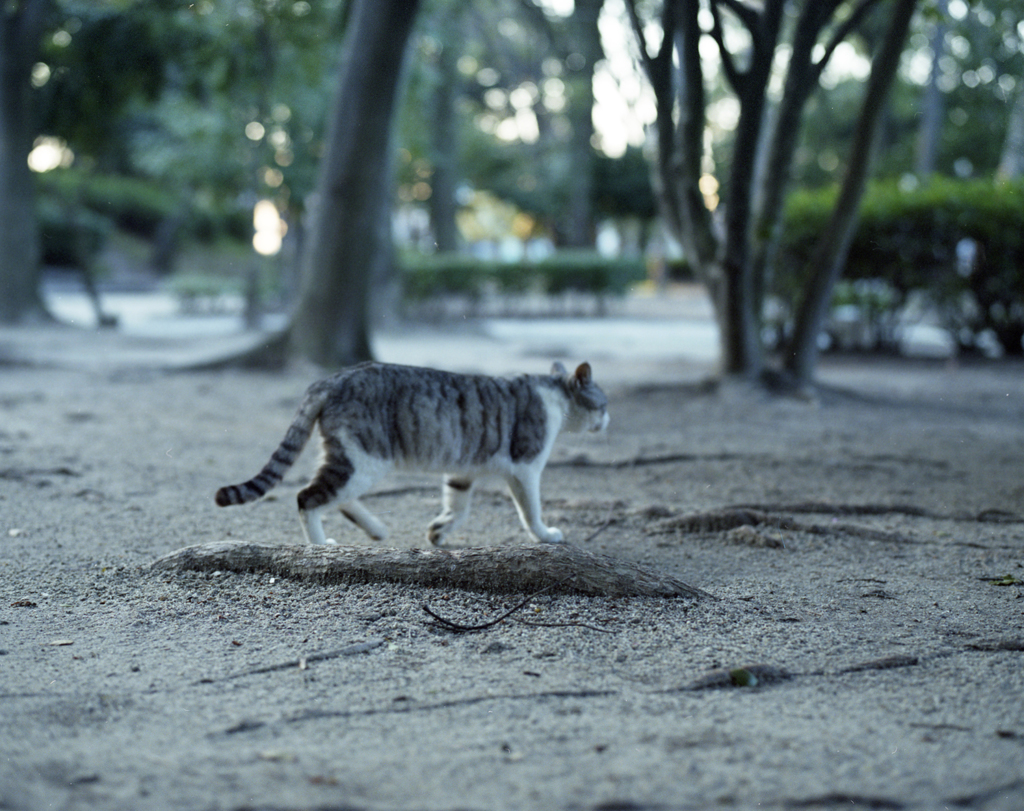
132	204
69	237
589	272
960	241
141	207
427	276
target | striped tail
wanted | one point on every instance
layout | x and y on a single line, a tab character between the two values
280	461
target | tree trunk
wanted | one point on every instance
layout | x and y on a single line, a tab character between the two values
585	41
503	569
443	205
830	253
20	33
1011	163
929	131
349	222
739	309
772	182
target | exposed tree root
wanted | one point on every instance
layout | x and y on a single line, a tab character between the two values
990	516
719	521
740	523
265	351
735	519
557	567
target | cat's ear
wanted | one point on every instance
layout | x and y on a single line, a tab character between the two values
558	370
582	375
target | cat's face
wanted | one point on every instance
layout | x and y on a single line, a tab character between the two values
588	405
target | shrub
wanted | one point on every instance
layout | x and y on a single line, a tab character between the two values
589	272
141	206
426	276
69	237
960	241
132	204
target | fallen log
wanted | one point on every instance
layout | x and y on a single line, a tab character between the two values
555	567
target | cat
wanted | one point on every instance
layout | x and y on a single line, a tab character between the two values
378	417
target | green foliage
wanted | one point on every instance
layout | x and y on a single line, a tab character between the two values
101	60
622	186
589	272
427	276
909	239
979	69
134	205
141	207
165	90
69	236
203	291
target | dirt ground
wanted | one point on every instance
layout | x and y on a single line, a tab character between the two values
866	649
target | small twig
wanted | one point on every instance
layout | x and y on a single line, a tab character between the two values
608	521
566	625
303	662
458	627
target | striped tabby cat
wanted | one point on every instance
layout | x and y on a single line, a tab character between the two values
377	417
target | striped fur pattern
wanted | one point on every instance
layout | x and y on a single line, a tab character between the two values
376	417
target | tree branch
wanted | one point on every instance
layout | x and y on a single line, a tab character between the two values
749	16
638	31
732	74
540	21
829	254
841	33
774	169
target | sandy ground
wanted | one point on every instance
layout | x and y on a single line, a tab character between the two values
877	599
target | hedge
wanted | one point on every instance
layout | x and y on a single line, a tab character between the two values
69	237
909	239
140	206
426	276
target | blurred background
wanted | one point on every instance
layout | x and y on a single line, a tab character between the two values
177	154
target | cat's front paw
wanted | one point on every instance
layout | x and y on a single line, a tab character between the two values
440	527
551	535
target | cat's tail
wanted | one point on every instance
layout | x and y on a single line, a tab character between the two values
282	458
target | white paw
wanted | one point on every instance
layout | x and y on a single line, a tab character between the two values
552	535
435	534
330	542
439	528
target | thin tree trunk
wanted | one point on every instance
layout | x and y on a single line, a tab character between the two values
331	323
20	33
739	308
933	106
1011	163
443	205
586	41
829	256
772	182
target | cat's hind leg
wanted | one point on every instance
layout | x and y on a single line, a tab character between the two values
524	485
355	512
456	496
337	480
